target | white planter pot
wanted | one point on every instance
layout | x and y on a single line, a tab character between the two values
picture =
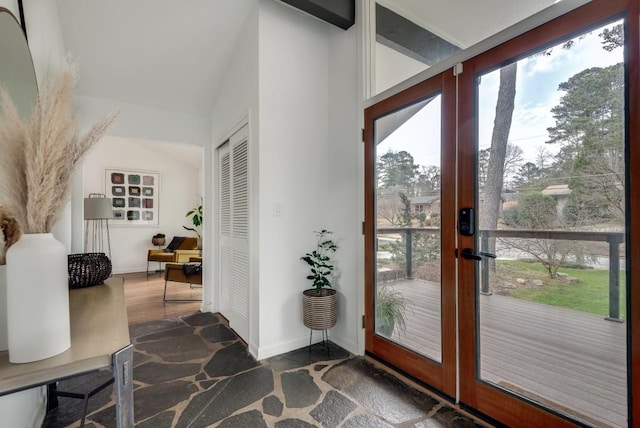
37	298
4	338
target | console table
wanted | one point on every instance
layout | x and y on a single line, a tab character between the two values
99	339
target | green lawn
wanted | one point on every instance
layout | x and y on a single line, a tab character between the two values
591	294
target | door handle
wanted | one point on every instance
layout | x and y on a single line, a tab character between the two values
485	254
468	254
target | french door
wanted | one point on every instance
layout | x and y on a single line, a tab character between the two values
498	223
411	233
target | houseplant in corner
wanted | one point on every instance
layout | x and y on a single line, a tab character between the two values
196	218
391	307
320	303
39	157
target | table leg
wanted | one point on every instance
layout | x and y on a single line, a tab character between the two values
122	362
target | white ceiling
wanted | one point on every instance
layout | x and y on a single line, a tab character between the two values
172	55
466	22
162	54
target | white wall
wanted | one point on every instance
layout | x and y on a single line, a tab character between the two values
392	67
294	172
295	79
135	121
344	193
180	190
236	102
12	5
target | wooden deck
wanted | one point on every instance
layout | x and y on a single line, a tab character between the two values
572	361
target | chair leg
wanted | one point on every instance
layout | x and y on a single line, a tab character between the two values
164	297
147	268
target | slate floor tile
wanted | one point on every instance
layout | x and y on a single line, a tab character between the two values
230	361
195	372
251	419
379	392
299	389
333	409
201	318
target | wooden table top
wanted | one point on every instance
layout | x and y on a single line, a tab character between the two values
99	328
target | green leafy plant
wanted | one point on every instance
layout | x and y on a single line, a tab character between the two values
320	261
196	218
391	308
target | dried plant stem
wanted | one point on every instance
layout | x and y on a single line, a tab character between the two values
42	152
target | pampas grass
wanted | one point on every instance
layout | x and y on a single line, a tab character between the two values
38	155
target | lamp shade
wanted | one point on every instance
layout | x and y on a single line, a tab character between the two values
97	208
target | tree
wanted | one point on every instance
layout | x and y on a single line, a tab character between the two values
483	167
544	158
612	38
527	175
388	206
499	139
424	246
589	126
428	180
512	159
397	169
538	212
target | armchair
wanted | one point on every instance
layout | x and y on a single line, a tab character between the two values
168	254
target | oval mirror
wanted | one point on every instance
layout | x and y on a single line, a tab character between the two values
17	74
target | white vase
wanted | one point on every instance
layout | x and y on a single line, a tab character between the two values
37	298
4	338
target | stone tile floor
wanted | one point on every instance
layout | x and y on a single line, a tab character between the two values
195	372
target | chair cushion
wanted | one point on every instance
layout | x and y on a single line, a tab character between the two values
175	272
160	257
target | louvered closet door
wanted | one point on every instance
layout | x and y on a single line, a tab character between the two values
233	159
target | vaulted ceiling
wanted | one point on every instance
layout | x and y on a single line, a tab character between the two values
162	54
173	55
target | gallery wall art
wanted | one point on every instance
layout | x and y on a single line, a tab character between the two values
134	196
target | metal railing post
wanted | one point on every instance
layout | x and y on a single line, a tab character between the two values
614	279
409	253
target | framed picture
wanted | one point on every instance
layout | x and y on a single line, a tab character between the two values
134	196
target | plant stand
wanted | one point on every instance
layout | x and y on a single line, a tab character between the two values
320	312
325	340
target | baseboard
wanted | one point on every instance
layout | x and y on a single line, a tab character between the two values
347	345
301	342
207	307
282	348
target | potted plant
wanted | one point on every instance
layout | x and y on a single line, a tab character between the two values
320	303
391	307
195	214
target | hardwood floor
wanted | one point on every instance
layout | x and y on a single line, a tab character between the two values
144	298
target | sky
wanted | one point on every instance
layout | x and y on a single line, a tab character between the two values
536	94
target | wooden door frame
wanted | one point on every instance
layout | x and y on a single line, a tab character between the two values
481	396
441	376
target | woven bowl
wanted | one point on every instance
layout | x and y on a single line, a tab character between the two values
88	269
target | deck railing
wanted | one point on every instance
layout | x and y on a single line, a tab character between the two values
614	240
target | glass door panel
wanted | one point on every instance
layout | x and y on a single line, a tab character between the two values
551	206
407	215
